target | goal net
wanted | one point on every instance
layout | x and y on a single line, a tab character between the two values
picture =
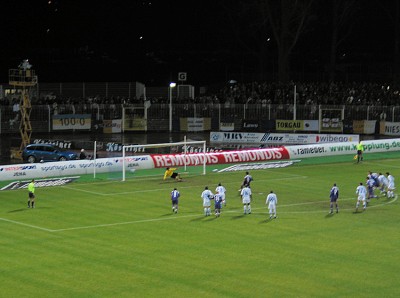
188	157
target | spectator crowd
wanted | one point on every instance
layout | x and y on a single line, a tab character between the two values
263	93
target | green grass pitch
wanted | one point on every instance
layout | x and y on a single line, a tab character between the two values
107	238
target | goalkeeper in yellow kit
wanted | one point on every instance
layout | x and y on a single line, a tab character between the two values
170	172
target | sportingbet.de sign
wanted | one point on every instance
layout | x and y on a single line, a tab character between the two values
104	165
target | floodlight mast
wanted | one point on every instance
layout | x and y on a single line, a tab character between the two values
171	86
23	78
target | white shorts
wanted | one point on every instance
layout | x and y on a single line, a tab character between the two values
246	200
361	198
272	206
206	203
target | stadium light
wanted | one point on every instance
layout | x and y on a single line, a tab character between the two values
25	65
171	86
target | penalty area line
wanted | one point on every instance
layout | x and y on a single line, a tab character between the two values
183	216
83	190
26	225
124	223
346	209
196	215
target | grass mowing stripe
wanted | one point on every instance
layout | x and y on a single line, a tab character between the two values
195	215
182	187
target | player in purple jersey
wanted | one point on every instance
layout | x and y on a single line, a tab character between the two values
374	176
370	187
217	204
174	199
247	180
334	196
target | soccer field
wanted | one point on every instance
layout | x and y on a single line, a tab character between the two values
107	238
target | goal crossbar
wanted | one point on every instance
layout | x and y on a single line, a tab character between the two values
159	145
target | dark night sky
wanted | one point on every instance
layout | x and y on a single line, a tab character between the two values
151	41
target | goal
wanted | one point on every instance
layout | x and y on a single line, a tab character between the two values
193	162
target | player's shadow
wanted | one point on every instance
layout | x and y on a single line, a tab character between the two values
329	215
168	214
18	210
237	217
198	218
265	221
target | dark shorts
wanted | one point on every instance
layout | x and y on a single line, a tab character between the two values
174	175
333	200
175	202
31	195
359	152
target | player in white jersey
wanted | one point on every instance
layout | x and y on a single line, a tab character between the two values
221	191
207	196
246	199
383	182
391	186
361	191
272	201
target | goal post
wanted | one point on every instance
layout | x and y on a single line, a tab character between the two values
134	148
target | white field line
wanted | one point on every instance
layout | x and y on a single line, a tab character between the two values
323	211
83	190
192	215
26	225
382	163
229	211
124	223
